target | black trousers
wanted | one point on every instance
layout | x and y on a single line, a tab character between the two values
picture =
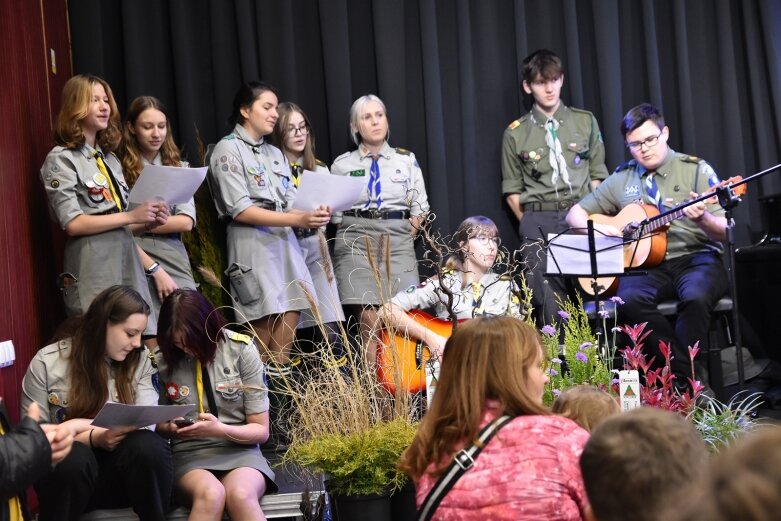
138	474
698	281
545	290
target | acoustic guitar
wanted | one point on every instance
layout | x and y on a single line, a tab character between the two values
401	360
645	235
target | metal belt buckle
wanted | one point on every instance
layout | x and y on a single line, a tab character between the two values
464	460
375	214
563	205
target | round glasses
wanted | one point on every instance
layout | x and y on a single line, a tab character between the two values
485	239
648	142
302	130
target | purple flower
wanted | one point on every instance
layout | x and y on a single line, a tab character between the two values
617	300
556	361
582	357
556	393
552	372
584	345
615	381
603	314
564	314
549	330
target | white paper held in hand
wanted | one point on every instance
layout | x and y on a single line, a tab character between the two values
171	184
337	191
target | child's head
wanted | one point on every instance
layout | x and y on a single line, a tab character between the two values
585	405
743	482
638	465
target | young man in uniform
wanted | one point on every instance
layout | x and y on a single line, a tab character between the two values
551	158
691	271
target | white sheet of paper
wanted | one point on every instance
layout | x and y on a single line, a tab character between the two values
122	415
572	254
171	184
337	191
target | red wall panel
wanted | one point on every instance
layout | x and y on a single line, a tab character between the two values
30	247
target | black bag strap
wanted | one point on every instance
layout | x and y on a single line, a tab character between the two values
462	461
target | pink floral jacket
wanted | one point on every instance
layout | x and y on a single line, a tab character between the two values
528	471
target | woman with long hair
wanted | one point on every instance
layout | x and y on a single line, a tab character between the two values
492	366
253	191
87	196
374	253
147	140
217	462
468	276
71	380
294	136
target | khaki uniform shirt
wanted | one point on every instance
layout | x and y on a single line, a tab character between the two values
526	168
678	175
496	295
400	176
236	375
245	173
47	381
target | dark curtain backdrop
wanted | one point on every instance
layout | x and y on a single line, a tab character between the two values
448	71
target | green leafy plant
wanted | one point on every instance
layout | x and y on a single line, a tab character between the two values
579	361
720	424
361	462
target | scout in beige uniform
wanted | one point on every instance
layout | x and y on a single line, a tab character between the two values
551	158
476	289
203	363
87	196
147	140
70	381
692	271
390	209
253	191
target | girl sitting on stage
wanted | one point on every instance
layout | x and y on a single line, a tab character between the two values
468	275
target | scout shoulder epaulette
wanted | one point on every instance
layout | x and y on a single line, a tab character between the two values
505	276
320	163
691	159
629	164
402	151
515	124
346	154
580	111
239	337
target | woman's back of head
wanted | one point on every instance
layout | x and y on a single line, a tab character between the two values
486	358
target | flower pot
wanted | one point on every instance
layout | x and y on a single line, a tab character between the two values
402	503
372	507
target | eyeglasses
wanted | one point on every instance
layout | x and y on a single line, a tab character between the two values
295	131
648	142
485	239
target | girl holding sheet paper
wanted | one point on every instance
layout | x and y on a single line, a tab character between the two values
217	461
87	196
253	191
147	140
70	381
293	135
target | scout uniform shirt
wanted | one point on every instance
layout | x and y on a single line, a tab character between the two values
248	173
400	176
236	376
47	381
491	295
526	156
678	175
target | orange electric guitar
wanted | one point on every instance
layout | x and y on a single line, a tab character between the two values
645	235
401	360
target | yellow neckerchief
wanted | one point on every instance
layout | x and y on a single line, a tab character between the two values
199	384
296	169
104	172
477	293
14	505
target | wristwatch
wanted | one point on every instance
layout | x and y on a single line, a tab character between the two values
152	269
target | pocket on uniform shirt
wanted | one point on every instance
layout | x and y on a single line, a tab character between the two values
229	389
579	153
244	283
399	185
69	286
